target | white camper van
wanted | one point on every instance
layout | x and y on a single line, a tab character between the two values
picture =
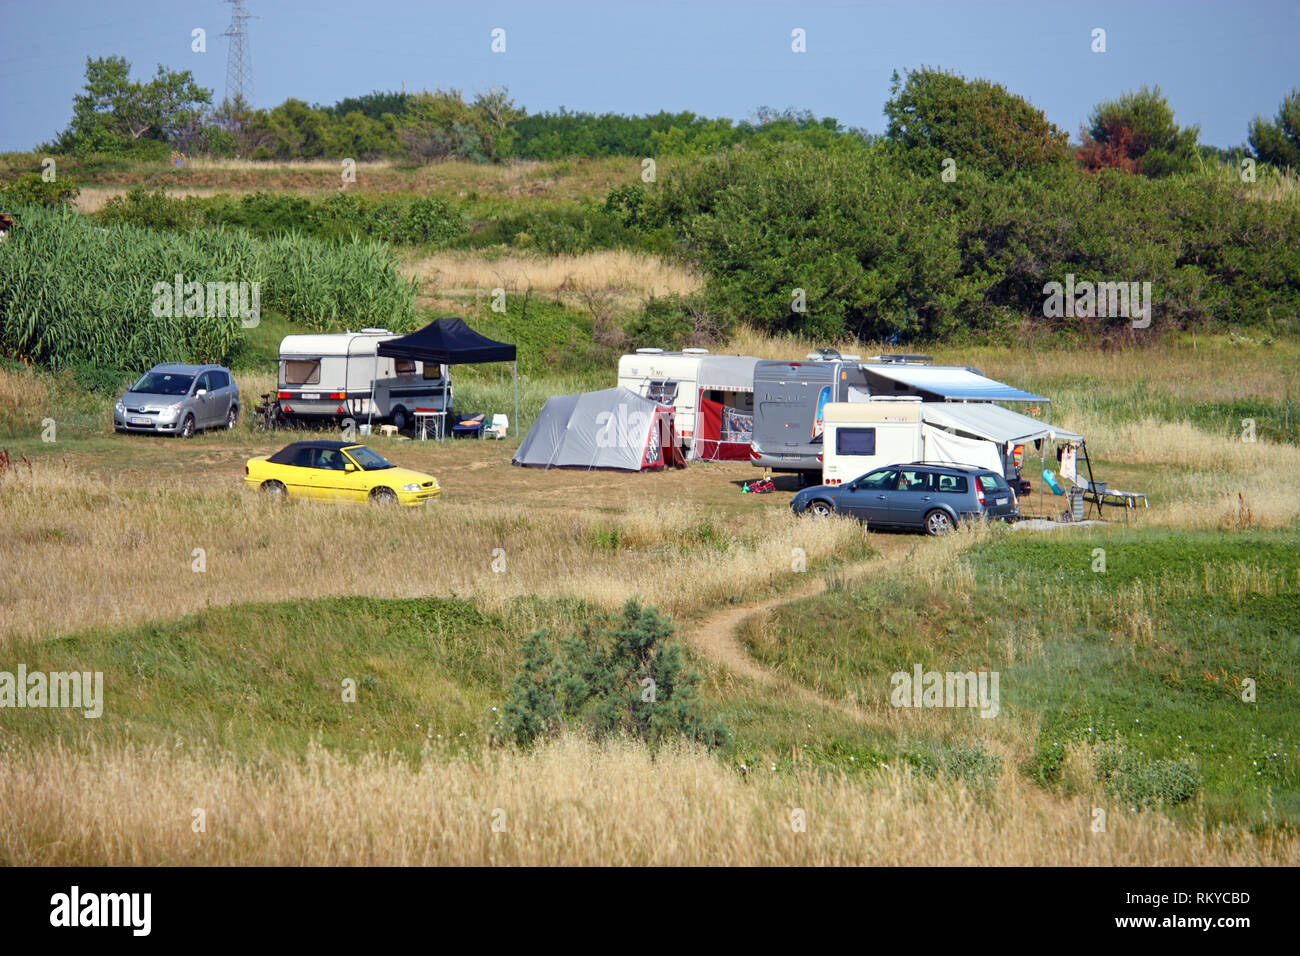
890	430
337	376
712	395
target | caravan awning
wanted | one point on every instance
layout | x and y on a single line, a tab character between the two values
992	422
943	384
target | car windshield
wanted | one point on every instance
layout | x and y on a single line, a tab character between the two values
367	459
164	383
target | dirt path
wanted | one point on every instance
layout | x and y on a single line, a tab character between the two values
717	635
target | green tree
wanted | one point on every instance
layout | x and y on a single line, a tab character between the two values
113	112
934	116
1278	142
1137	133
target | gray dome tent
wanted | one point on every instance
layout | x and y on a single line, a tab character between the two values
615	428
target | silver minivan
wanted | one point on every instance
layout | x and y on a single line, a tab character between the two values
179	400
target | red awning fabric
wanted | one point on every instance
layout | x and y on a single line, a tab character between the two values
707	441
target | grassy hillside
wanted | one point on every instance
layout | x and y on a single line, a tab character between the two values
1151	655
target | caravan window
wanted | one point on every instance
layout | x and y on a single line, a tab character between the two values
662	391
404	366
302	372
855	441
432	370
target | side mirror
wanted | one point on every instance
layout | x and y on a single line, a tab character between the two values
200	393
349	467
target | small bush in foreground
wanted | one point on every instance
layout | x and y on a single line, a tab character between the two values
1146	783
618	676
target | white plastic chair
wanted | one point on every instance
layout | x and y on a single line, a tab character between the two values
499	427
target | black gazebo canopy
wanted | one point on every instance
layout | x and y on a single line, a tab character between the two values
447	342
452	342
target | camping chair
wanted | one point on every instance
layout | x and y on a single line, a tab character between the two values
1099	493
499	427
470	425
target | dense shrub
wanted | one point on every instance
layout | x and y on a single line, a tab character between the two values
424	220
673	321
31	189
883	252
554	230
1145	783
619	676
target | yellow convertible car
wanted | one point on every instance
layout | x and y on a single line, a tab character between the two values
336	470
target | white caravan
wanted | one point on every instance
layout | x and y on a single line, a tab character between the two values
712	396
338	376
862	436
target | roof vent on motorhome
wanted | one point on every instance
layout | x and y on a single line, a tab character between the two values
375	332
648	351
695	351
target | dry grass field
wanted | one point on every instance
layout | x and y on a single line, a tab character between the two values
100	533
621	271
571	802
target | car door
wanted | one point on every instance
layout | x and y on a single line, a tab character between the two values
299	474
330	477
221	393
864	498
913	497
203	400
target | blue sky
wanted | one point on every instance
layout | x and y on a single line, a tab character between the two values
1220	63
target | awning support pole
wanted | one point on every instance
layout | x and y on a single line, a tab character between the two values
374	377
514	369
1091	481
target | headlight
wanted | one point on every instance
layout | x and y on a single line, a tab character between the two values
119	407
411	487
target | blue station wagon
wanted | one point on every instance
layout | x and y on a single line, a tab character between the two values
928	497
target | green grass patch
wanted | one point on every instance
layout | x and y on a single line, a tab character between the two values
1157	656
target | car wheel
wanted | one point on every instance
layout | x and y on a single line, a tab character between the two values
938	523
383	496
399	419
821	509
275	490
187	427
232	416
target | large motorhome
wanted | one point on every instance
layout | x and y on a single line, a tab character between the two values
340	376
712	396
789	401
